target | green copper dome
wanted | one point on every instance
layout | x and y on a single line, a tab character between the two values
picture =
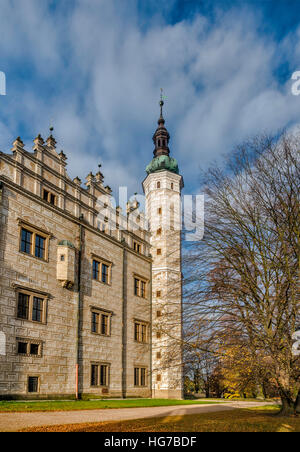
66	243
163	162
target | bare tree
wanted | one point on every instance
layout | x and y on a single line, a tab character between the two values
243	277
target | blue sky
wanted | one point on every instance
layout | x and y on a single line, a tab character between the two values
94	69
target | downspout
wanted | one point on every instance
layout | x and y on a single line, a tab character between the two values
78	318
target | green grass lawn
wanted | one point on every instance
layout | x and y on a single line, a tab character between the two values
264	419
60	405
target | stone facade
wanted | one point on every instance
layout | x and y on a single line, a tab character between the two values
90	297
77	225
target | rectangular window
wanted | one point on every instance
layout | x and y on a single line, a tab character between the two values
137	247
94	374
101	271
49	197
158	251
104	324
95	322
28	347
101	322
100	374
136	286
140	332
34	349
96	266
103	375
158	293
23	306
140	376
105	273
37	309
140	287
34	242
31	307
33	384
40	246
22	348
26	241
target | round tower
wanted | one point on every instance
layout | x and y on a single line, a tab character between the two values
162	188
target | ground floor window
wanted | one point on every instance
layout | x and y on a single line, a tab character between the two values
100	374
140	376
33	384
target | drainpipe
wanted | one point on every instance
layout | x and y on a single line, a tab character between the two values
78	310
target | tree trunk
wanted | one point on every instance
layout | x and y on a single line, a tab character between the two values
264	390
287	408
297	403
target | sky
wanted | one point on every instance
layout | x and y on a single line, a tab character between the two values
93	70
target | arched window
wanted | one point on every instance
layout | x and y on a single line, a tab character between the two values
172	186
164	142
158	184
159	143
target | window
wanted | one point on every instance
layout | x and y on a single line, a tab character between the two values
101	322
158	335
158	355
158	377
100	374
137	247
158	251
33	384
158	313
159	211
101	271
158	232
29	347
140	332
158	184
49	197
140	376
158	293
34	242
140	287
172	186
31	307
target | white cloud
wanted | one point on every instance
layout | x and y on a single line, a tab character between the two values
96	69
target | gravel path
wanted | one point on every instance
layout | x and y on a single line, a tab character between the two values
12	422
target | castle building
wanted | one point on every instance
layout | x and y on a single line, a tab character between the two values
90	296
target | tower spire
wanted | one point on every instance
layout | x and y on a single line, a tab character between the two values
161	136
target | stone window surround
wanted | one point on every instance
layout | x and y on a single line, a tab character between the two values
35	231
49	196
99	364
101	261
30	341
141	323
38	376
140	279
100	311
32	293
139	376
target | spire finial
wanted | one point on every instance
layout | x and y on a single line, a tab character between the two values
161	102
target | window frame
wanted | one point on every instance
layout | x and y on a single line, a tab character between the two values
140	287
138	332
49	194
101	312
137	377
28	343
101	263
137	247
38	384
34	232
107	375
32	294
